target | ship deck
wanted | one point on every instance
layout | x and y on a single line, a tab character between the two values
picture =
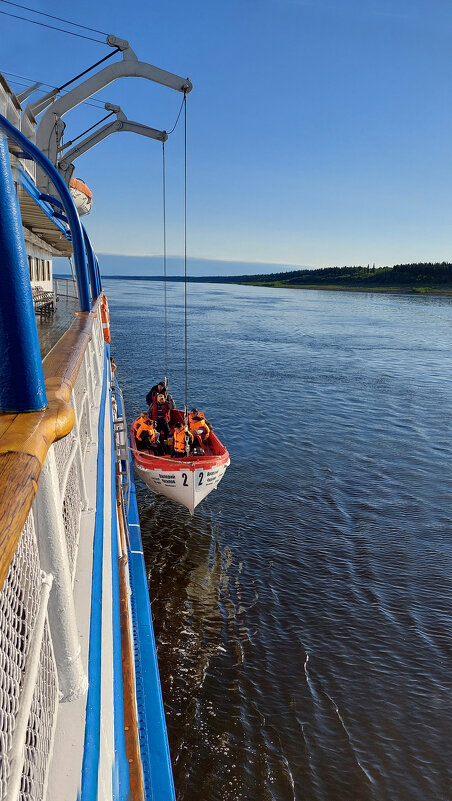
52	326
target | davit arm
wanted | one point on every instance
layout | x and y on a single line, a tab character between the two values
66	166
51	127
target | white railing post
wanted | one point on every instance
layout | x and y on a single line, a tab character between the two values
88	387
91	376
54	559
97	358
80	456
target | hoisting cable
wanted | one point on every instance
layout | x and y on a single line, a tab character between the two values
177	120
185	253
164	258
185	257
164	267
71	141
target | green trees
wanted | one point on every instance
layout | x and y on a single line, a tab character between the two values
419	274
430	273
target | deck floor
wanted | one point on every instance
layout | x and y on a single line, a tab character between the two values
52	326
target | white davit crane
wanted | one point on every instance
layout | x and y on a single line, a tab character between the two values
65	165
51	127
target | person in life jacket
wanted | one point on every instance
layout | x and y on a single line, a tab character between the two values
199	427
201	431
140	419
194	413
182	441
146	435
160	413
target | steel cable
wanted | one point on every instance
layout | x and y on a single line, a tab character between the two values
185	257
164	267
80	75
92	102
76	138
177	120
51	16
52	27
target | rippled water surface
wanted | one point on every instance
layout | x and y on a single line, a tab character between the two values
303	614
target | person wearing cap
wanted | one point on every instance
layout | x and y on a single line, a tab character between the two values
200	428
146	436
159	389
194	413
160	413
182	441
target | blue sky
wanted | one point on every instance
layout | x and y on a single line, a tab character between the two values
319	132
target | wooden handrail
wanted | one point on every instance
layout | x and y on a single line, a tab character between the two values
26	438
131	728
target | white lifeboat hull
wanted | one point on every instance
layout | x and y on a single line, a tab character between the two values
81	195
185	481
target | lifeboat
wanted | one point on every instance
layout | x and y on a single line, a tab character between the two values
81	195
185	480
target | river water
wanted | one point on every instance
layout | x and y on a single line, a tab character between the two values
303	615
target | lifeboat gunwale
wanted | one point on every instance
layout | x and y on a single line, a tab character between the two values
151	461
147	459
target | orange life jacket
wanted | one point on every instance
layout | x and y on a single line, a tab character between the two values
191	418
179	440
144	426
196	425
139	421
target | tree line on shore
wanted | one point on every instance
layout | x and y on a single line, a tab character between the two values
420	274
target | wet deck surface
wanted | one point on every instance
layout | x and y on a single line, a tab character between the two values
52	326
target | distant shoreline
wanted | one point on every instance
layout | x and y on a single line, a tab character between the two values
400	289
389	290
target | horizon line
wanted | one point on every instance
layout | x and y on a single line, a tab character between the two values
202	258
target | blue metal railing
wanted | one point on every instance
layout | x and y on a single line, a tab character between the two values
93	268
22	387
78	244
21	376
93	264
98	274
